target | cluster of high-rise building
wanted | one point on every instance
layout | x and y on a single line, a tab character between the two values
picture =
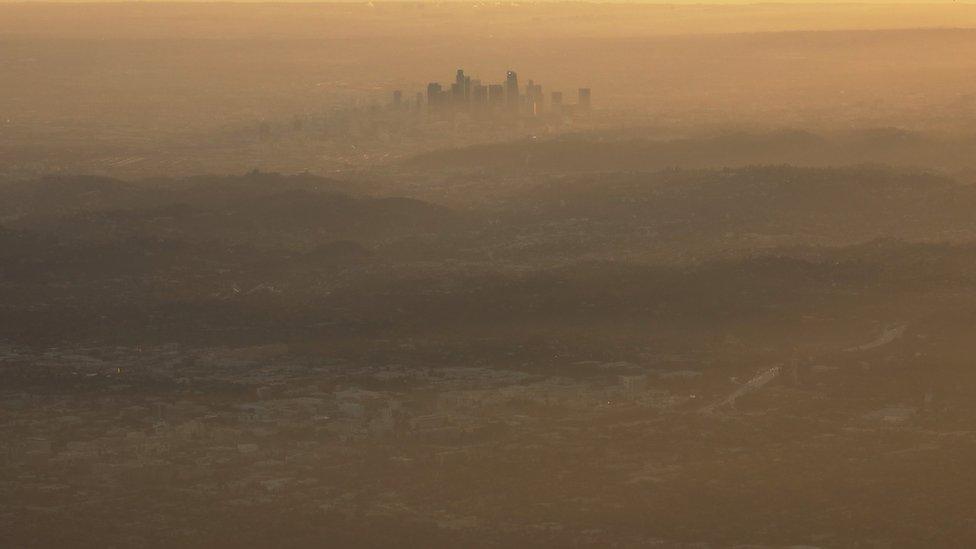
474	97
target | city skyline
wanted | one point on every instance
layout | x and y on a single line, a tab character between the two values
473	96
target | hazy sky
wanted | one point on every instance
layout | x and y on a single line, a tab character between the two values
661	2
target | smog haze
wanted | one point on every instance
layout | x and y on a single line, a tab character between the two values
454	274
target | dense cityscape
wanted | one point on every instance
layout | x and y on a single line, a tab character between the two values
481	100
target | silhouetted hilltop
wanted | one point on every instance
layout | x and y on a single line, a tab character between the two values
257	208
783	203
62	194
67	193
272	254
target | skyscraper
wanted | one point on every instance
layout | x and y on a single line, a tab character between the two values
457	94
556	102
434	96
461	89
479	95
534	98
512	91
496	95
584	99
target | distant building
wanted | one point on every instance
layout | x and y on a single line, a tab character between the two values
512	91
435	97
496	95
470	95
584	99
464	85
397	98
556	103
457	94
479	95
534	98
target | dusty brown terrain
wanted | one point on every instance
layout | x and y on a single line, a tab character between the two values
247	301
